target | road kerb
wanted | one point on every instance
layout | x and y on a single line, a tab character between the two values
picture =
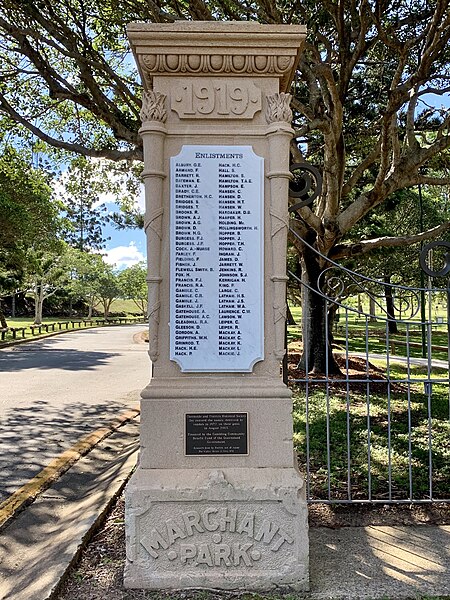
28	492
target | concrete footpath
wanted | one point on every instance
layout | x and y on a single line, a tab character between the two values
43	540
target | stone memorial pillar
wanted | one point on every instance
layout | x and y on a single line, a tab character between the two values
217	500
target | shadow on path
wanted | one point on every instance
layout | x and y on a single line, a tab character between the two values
30	437
380	562
38	546
45	358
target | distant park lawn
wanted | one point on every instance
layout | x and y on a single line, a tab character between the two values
351	331
123	308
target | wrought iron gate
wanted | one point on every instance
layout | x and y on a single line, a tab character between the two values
378	431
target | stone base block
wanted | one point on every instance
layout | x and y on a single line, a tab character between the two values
231	529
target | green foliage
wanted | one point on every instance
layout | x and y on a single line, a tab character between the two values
92	280
360	97
86	186
87	89
84	270
85	216
29	219
133	282
107	288
405	213
46	273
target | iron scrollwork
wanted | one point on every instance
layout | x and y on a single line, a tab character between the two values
424	256
336	284
306	184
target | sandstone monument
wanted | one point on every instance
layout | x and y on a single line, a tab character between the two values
217	500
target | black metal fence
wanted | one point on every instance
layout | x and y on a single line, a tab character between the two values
378	429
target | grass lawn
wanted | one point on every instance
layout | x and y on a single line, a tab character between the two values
119	306
353	330
54	324
376	435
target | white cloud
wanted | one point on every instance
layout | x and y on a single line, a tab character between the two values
123	256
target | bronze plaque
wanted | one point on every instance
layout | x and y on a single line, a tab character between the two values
216	433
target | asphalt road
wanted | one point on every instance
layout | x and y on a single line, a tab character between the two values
55	390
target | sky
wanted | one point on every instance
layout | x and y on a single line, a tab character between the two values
126	247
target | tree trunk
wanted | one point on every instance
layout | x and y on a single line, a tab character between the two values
3	322
333	319
390	309
142	306
372	308
38	303
91	308
317	356
106	308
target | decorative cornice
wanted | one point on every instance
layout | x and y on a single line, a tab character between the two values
217	64
153	107
220	49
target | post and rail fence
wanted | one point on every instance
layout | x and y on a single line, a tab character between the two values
13	333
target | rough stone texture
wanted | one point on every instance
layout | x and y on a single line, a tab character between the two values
242	529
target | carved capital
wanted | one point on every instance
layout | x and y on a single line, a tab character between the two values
217	49
153	107
278	108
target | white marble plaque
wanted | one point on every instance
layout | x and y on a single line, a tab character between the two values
216	262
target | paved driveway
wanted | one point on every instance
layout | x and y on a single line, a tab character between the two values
53	391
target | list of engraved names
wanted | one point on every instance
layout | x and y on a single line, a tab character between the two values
216	291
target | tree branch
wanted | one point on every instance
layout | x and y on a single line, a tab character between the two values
110	153
346	251
59	87
359	170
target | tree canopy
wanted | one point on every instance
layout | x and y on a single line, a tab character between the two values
66	76
28	215
361	97
133	282
366	97
85	215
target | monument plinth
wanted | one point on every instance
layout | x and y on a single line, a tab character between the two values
217	500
